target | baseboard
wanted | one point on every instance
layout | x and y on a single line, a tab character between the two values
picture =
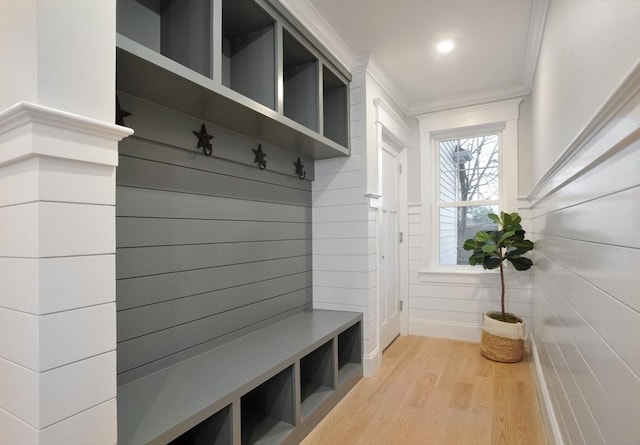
453	331
371	363
551	426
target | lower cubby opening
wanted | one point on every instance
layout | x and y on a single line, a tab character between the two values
316	378
349	353
216	430
267	412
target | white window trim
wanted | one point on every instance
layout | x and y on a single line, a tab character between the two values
459	122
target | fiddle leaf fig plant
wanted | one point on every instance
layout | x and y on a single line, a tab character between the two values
492	248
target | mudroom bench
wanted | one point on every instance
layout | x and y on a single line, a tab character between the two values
271	386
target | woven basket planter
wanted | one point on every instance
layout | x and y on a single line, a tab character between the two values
502	341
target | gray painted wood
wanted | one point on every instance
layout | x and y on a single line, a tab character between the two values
136	172
136	232
165	404
186	33
159	203
164	126
208	249
152	289
144	320
144	261
252	71
143	350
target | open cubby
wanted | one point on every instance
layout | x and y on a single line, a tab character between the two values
335	105
300	82
267	411
248	51
349	353
180	30
316	378
216	430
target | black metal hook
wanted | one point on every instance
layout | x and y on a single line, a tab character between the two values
204	140
260	157
301	174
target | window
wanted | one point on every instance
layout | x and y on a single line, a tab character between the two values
468	189
468	168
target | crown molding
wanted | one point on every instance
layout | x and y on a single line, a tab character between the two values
466	100
388	85
316	24
537	20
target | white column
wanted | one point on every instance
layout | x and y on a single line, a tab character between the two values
57	222
57	277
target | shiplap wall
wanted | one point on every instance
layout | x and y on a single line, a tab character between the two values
587	297
450	304
344	231
207	248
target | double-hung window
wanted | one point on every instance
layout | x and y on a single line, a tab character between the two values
468	189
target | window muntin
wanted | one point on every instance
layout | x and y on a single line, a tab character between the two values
468	189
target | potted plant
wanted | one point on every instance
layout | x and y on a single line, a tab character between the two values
502	333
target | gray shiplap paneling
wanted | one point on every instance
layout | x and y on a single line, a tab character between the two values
142	261
137	232
142	350
148	319
142	173
153	289
207	249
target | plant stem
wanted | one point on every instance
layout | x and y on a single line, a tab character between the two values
502	282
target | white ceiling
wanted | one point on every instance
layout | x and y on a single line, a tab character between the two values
496	45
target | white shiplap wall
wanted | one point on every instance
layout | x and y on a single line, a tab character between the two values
450	304
344	232
587	284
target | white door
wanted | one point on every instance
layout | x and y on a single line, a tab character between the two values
389	290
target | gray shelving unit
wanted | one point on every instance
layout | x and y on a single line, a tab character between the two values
316	378
300	82
245	65
271	386
349	354
179	30
248	51
335	107
267	412
216	430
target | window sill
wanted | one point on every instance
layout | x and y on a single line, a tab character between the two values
465	276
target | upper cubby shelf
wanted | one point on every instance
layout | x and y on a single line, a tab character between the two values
242	64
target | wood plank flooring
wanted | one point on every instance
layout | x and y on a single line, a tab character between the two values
437	392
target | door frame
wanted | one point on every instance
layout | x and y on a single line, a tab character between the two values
393	130
403	227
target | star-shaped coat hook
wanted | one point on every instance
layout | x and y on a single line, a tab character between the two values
120	113
301	174
204	140
259	158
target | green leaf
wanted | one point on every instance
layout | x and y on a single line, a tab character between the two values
491	262
469	244
490	247
495	218
506	236
523	245
482	236
521	263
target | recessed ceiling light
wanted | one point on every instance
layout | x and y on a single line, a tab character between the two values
446	46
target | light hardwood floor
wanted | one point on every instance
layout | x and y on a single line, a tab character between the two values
437	392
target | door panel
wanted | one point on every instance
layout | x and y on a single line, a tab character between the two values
389	292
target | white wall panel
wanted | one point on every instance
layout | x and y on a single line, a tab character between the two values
586	219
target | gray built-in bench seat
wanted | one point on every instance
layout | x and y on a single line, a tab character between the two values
270	386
